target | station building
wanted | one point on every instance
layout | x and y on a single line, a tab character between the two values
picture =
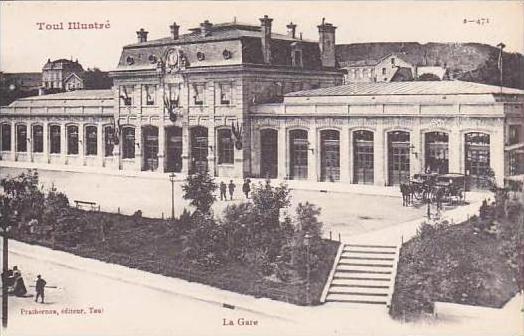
240	100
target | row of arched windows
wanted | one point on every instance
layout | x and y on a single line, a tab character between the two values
436	154
36	139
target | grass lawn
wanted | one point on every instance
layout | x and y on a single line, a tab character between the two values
455	264
155	245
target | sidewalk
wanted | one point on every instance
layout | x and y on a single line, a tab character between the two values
336	187
196	291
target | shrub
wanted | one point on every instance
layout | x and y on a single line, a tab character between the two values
199	190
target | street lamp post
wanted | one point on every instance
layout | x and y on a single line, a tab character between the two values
172	179
5	268
307	238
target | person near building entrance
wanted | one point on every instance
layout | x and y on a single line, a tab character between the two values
223	189
246	188
231	186
40	285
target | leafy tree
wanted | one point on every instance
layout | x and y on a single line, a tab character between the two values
199	190
307	251
205	243
96	79
22	199
428	77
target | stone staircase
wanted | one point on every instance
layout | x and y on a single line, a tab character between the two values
364	274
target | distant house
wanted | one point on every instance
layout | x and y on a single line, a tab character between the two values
74	82
55	73
390	68
382	70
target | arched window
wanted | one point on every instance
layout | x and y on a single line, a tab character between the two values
398	157
363	157
72	140
6	137
268	153
329	155
109	140
128	142
91	140
54	139
477	159
437	152
38	139
21	138
226	153
298	147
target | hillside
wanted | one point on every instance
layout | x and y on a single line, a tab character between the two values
474	62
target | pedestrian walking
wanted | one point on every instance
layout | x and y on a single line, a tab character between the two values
246	188
223	189
40	285
231	186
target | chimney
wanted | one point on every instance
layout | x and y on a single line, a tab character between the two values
141	35
327	44
205	28
291	29
265	25
174	30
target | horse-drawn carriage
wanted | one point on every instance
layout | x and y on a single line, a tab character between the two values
438	187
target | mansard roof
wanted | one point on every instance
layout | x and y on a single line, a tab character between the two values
408	88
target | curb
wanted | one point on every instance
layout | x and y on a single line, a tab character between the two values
120	272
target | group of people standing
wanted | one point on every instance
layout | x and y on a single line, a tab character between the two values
246	189
15	282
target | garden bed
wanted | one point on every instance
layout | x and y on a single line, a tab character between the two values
456	264
156	246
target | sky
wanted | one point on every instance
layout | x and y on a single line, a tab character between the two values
25	48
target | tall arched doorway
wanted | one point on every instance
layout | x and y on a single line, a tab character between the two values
199	149
268	153
174	149
329	155
363	157
150	143
477	159
398	157
298	147
437	152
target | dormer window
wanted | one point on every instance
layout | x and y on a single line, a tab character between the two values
392	61
130	60
297	58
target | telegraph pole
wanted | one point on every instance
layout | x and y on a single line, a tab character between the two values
501	47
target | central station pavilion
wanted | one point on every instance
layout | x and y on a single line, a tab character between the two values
241	101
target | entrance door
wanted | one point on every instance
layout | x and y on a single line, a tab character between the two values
398	157
477	159
436	158
329	155
150	134
363	171
199	149
174	149
268	153
298	154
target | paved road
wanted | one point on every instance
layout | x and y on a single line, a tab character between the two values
122	308
345	213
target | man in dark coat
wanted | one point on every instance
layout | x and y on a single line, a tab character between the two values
223	189
40	284
231	187
246	188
